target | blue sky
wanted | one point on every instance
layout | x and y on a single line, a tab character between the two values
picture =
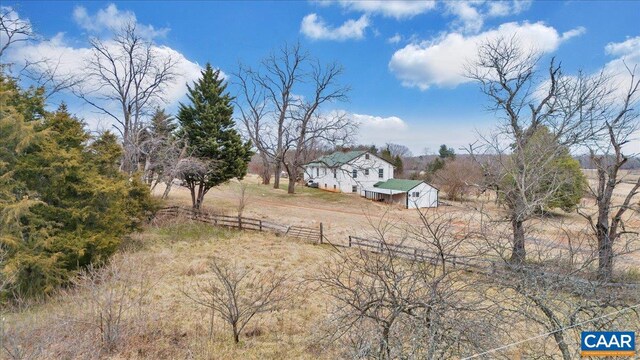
401	59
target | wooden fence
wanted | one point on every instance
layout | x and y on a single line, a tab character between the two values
422	254
242	223
494	269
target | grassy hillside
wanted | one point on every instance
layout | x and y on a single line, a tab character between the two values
156	268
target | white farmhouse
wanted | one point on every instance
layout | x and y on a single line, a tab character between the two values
348	171
370	176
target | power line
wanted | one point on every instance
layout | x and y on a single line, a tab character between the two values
550	333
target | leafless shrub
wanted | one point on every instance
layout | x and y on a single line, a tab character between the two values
242	196
458	177
389	307
237	295
115	299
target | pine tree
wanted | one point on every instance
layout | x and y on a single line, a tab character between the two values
217	152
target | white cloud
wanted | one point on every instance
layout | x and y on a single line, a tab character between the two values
468	16
627	54
471	15
580	30
110	19
398	9
429	133
378	130
70	60
395	39
441	62
314	27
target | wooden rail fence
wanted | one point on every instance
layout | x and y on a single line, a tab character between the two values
243	223
494	269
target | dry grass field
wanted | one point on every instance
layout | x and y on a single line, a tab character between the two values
343	215
168	260
140	299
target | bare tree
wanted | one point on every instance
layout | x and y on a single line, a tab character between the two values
238	294
398	150
281	73
255	115
281	107
615	124
45	73
393	306
13	29
557	295
129	72
528	106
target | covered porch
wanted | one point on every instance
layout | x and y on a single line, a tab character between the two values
386	195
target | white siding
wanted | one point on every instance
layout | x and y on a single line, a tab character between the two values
344	180
427	196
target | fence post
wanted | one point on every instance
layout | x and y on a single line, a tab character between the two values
260	222
239	222
321	233
349	240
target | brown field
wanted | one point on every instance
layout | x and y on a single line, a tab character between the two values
343	215
168	258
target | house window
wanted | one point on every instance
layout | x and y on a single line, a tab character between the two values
317	171
354	188
335	173
380	173
416	194
324	171
366	172
366	156
355	173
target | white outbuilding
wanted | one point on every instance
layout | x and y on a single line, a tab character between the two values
411	194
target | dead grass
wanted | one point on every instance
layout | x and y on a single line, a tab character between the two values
172	326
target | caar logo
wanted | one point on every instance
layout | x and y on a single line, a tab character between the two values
608	343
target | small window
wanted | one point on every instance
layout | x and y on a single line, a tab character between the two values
334	187
366	172
355	173
354	188
335	173
317	171
416	194
366	156
380	173
325	185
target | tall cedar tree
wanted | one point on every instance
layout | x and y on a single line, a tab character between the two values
217	152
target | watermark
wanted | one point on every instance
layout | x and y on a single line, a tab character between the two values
608	343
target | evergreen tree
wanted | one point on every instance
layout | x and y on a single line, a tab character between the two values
217	152
397	162
63	204
386	155
446	152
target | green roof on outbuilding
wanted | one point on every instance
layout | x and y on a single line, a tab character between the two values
336	159
398	184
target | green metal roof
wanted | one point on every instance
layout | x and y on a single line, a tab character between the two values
336	159
398	184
